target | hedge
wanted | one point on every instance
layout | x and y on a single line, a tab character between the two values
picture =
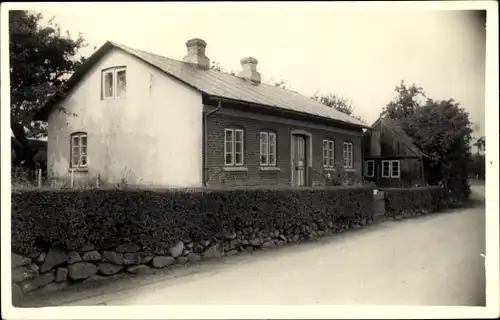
155	219
414	201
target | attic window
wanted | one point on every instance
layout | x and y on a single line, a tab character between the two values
114	83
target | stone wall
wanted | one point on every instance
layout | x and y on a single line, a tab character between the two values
56	268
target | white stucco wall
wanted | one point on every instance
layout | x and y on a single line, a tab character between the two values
151	137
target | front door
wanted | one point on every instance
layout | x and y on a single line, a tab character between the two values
299	161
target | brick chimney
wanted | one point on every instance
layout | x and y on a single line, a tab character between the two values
196	53
249	70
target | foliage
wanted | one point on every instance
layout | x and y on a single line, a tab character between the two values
41	60
414	201
480	144
338	103
442	131
156	219
478	166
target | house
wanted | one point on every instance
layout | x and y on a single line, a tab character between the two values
391	158
150	120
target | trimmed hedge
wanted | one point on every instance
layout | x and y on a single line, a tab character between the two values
414	201
155	219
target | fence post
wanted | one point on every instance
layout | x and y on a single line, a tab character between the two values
72	178
39	178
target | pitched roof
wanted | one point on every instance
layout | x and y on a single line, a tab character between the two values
395	127
217	84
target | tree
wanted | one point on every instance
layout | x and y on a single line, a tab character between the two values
442	130
41	60
406	102
338	103
480	144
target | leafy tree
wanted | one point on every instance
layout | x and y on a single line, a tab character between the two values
338	103
480	144
41	60
442	130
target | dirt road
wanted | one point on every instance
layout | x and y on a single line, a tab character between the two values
429	260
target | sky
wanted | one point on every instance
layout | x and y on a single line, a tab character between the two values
356	53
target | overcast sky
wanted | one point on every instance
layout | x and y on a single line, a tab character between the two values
357	53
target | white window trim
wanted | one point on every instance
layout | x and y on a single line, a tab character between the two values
372	162
233	144
80	137
116	82
114	72
350	153
268	149
328	141
399	169
103	84
391	174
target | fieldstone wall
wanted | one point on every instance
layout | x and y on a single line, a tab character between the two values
56	268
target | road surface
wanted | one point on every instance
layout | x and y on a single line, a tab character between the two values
428	260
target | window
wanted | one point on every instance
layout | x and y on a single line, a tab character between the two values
328	153
348	156
391	169
233	147
268	149
369	168
79	150
114	83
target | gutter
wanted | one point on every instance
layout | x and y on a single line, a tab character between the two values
205	141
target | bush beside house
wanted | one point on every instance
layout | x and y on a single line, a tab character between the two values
62	237
405	202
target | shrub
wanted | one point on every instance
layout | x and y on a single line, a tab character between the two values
155	219
410	201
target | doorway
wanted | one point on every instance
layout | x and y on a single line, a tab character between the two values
300	161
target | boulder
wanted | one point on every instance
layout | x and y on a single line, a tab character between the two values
140	269
111	256
146	258
22	273
256	242
231	253
35	268
268	245
35	283
95	278
54	258
108	268
162	261
73	257
181	260
34	254
130	259
17	260
128	248
52	287
41	258
17	293
193	257
177	249
81	270
92	256
87	247
213	252
61	274
230	235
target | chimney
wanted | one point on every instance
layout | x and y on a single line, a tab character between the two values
249	72
196	53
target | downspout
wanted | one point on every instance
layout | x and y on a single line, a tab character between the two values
205	141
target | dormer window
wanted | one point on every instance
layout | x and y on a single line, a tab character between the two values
114	83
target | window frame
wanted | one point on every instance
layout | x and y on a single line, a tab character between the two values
330	146
351	144
268	150
367	168
114	85
391	174
79	136
233	152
